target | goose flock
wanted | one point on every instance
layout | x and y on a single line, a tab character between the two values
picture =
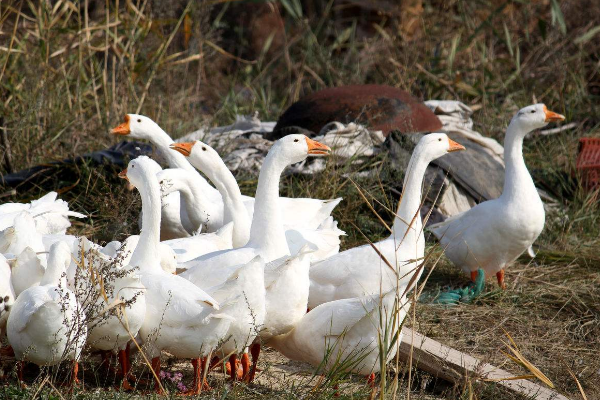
215	275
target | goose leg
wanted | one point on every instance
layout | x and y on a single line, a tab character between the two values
233	366
371	380
125	369
155	363
106	362
20	368
202	368
245	367
255	352
500	277
197	384
473	276
74	371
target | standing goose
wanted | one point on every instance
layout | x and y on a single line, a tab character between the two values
314	211
494	233
46	325
267	239
267	234
361	270
208	161
180	318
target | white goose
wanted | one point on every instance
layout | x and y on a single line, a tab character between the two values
23	245
346	331
27	270
112	331
180	317
494	233
286	278
20	235
287	283
300	212
215	169
174	216
46	324
51	214
207	160
361	270
168	255
267	234
242	297
202	214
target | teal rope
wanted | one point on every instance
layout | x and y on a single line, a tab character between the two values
460	295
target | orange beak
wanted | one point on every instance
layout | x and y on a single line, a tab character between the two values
123	175
122	129
184	148
551	116
454	146
317	148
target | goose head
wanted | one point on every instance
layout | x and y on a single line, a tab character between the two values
138	169
295	148
435	145
152	166
200	155
172	180
136	126
534	117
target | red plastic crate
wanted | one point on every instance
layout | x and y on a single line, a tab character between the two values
588	162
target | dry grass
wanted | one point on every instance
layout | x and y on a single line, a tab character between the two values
69	72
549	308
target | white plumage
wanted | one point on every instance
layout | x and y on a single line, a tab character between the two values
494	233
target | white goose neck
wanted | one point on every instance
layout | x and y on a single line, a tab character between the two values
162	140
146	255
194	200
234	209
518	184
266	232
410	203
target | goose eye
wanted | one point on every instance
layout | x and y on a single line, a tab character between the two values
139	120
203	148
6	298
532	111
133	166
1	300
440	139
295	140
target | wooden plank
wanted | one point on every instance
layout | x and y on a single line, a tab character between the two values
452	365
